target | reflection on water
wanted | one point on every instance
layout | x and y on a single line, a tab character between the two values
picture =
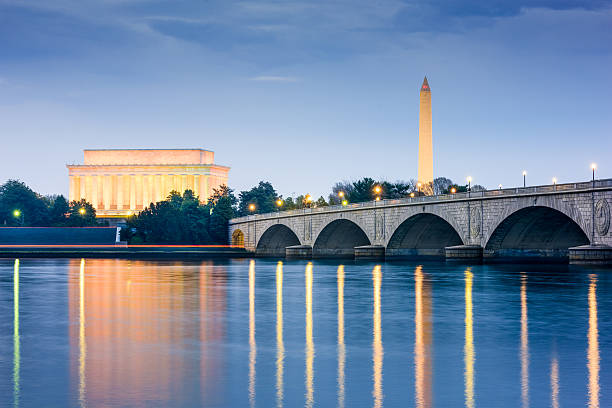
16	339
422	339
524	345
554	382
115	333
377	347
469	342
309	340
593	350
82	345
252	344
280	346
341	346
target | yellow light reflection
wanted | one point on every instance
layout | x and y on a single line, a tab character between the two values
554	382
252	345
377	346
341	345
469	342
16	339
422	340
524	345
82	344
280	346
593	350
309	340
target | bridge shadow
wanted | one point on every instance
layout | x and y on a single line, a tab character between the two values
274	241
535	233
422	235
339	239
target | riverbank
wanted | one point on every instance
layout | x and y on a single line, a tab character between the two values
125	251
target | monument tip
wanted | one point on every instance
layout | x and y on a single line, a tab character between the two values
425	86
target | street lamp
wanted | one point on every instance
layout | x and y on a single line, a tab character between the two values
500	186
453	190
469	180
344	203
82	211
524	178
419	188
252	207
554	181
19	215
279	203
593	166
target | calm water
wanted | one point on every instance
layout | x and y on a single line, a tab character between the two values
259	333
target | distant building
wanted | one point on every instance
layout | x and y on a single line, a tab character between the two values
425	172
121	182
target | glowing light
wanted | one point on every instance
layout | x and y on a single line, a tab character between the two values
82	211
16	336
524	345
419	185
280	346
308	198
377	347
344	202
341	345
377	189
340	194
252	207
469	179
422	341
377	198
252	344
593	166
16	213
554	382
279	202
453	190
82	343
411	194
554	180
524	172
593	347
468	349
309	340
500	186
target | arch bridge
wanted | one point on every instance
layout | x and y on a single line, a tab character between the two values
540	221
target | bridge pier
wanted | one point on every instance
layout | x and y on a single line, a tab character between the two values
591	255
299	252
370	252
463	253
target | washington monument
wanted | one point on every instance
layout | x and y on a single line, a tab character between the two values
425	173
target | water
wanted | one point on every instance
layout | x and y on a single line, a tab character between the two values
243	333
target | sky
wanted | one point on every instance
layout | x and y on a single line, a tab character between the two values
304	94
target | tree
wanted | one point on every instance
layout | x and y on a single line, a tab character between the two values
32	208
81	214
58	213
263	197
222	208
441	184
340	191
363	190
321	202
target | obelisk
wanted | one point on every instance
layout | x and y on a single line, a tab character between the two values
425	173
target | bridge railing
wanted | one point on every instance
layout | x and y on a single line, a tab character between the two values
548	188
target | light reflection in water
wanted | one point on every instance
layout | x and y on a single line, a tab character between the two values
252	344
377	346
593	350
16	339
469	342
524	345
422	340
554	382
82	344
341	345
309	340
280	347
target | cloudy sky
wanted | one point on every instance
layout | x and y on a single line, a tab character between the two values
307	93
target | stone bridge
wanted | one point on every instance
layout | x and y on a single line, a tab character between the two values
533	221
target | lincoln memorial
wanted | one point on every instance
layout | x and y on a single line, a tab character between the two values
120	182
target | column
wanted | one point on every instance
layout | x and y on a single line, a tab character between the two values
183	183
82	185
196	186
119	192
100	191
114	191
107	191
87	194
159	195
71	188
132	192
94	191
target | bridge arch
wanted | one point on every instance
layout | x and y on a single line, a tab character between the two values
422	234
338	239
275	239
536	230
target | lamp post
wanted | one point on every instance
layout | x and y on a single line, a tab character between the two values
469	180
500	186
419	188
341	195
82	211
524	178
252	207
279	203
19	215
554	181
593	167
453	190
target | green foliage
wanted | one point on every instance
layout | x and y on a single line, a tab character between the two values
183	220
15	195
263	197
321	202
79	214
